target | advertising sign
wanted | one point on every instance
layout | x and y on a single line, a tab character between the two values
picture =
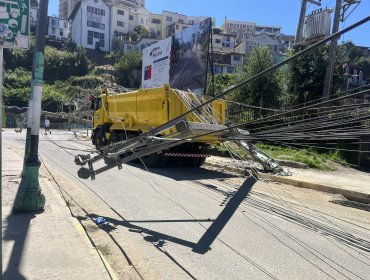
189	57
180	60
156	64
15	23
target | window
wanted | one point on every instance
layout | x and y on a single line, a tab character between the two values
120	23
96	25
191	21
95	11
236	58
90	36
52	32
177	26
142	21
230	69
218	41
217	69
234	32
156	21
99	38
180	20
61	33
54	22
131	17
120	12
169	19
66	24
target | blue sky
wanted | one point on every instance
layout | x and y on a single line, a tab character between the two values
284	13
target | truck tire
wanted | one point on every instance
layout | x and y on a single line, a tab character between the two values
98	139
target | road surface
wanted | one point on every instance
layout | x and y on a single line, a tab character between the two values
186	223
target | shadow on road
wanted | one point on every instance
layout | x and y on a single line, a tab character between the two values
188	173
17	230
211	234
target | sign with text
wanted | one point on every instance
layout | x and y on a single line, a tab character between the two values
15	23
156	64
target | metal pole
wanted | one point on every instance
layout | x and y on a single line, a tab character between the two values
332	53
29	196
299	34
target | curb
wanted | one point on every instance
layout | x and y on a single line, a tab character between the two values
350	195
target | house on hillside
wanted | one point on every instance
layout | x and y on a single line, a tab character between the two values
58	28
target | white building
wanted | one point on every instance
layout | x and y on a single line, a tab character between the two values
33	15
91	24
58	28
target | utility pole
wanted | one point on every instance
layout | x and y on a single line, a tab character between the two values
334	42
332	53
302	16
29	196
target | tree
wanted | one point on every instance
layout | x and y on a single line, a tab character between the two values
221	82
129	69
141	31
60	65
217	30
307	73
265	90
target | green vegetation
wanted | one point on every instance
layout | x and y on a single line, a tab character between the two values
264	88
311	157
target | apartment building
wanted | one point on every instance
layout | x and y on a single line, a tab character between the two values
58	28
155	26
168	21
225	55
241	29
267	30
91	24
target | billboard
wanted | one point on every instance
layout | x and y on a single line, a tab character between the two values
180	61
156	64
15	23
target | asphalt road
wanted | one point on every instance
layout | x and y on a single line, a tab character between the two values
185	223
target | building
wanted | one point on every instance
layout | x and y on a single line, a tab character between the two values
155	26
225	56
241	29
262	40
58	28
33	16
168	21
91	24
267	30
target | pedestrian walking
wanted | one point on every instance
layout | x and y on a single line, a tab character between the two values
47	126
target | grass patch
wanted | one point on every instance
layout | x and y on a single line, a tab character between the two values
311	157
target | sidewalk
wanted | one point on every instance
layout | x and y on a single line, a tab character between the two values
351	183
49	245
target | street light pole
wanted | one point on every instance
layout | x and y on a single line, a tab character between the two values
29	196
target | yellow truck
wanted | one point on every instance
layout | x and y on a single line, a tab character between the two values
122	116
160	126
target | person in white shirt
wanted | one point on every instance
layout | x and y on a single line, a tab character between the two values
47	125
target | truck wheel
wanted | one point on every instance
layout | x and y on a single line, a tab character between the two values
98	140
200	162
